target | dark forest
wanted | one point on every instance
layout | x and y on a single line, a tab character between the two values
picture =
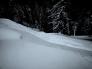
70	17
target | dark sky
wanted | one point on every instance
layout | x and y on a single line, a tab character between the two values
79	6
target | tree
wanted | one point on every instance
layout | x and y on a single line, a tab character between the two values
58	17
75	28
86	23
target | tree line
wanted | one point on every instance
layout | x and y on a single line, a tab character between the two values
51	16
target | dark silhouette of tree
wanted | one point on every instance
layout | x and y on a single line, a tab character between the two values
58	17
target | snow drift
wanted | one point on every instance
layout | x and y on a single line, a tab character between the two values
24	48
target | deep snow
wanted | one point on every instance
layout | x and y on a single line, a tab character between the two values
24	48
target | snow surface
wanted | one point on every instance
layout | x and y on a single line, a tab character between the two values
24	48
8	34
83	37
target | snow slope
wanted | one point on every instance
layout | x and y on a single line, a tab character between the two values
52	38
8	34
24	48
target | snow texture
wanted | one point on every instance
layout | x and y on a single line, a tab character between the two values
24	48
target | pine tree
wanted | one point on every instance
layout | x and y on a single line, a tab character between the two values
58	17
86	26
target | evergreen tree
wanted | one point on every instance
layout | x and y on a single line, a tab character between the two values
86	25
58	17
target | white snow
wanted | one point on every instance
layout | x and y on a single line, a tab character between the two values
24	48
52	38
83	37
9	34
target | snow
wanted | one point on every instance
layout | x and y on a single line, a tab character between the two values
9	34
24	48
83	37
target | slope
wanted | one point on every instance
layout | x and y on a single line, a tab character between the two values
24	48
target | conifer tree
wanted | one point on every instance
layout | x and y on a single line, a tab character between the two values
58	17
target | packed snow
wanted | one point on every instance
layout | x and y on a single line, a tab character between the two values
24	48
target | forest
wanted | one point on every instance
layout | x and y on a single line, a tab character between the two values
51	16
